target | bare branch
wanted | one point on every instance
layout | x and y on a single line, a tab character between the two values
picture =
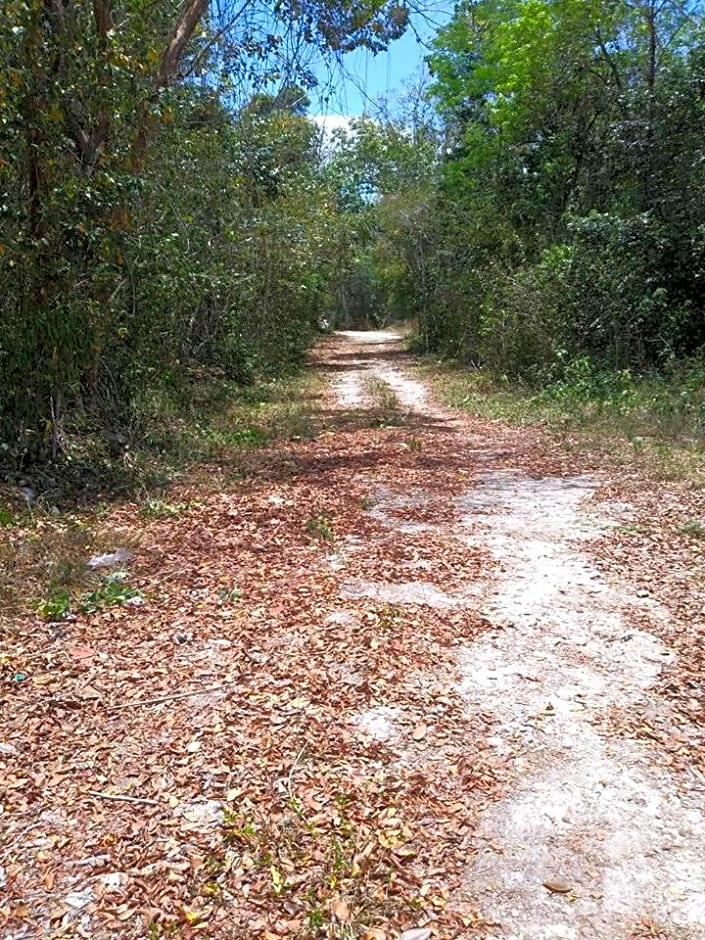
192	11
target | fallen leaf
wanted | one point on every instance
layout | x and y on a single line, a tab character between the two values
341	911
420	732
557	887
417	933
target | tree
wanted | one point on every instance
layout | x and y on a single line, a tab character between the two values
381	170
87	93
572	134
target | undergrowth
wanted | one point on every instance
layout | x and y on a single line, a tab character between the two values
55	517
658	419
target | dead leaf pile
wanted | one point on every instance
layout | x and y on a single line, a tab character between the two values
662	553
203	763
252	752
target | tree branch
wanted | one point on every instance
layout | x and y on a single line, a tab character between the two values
103	15
192	12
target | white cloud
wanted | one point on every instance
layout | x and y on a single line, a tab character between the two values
329	123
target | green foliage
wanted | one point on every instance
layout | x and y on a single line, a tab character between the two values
55	607
149	227
649	411
321	526
229	596
114	590
694	528
160	509
381	171
570	206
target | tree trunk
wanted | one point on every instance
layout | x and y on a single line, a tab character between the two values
190	15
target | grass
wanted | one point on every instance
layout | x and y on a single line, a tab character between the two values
335	873
321	526
221	422
655	421
381	394
695	528
384	410
154	508
43	562
210	420
44	547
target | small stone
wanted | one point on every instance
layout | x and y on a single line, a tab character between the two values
557	887
256	656
28	494
113	880
110	559
79	899
201	813
418	933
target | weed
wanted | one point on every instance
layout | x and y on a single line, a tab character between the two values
214	864
388	617
319	861
43	554
248	435
55	607
43	561
229	596
638	444
236	475
694	528
321	527
660	419
315	918
159	931
113	592
211	889
382	395
159	509
337	859
631	529
415	444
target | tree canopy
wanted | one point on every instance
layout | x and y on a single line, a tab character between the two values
166	207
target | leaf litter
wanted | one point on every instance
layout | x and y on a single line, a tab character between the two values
208	769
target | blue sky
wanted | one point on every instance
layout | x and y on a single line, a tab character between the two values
365	77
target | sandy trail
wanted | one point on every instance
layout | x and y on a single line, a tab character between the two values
378	689
367	363
591	837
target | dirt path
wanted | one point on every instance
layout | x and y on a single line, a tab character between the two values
377	688
592	836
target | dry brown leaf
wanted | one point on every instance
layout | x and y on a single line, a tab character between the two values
557	887
341	910
416	933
